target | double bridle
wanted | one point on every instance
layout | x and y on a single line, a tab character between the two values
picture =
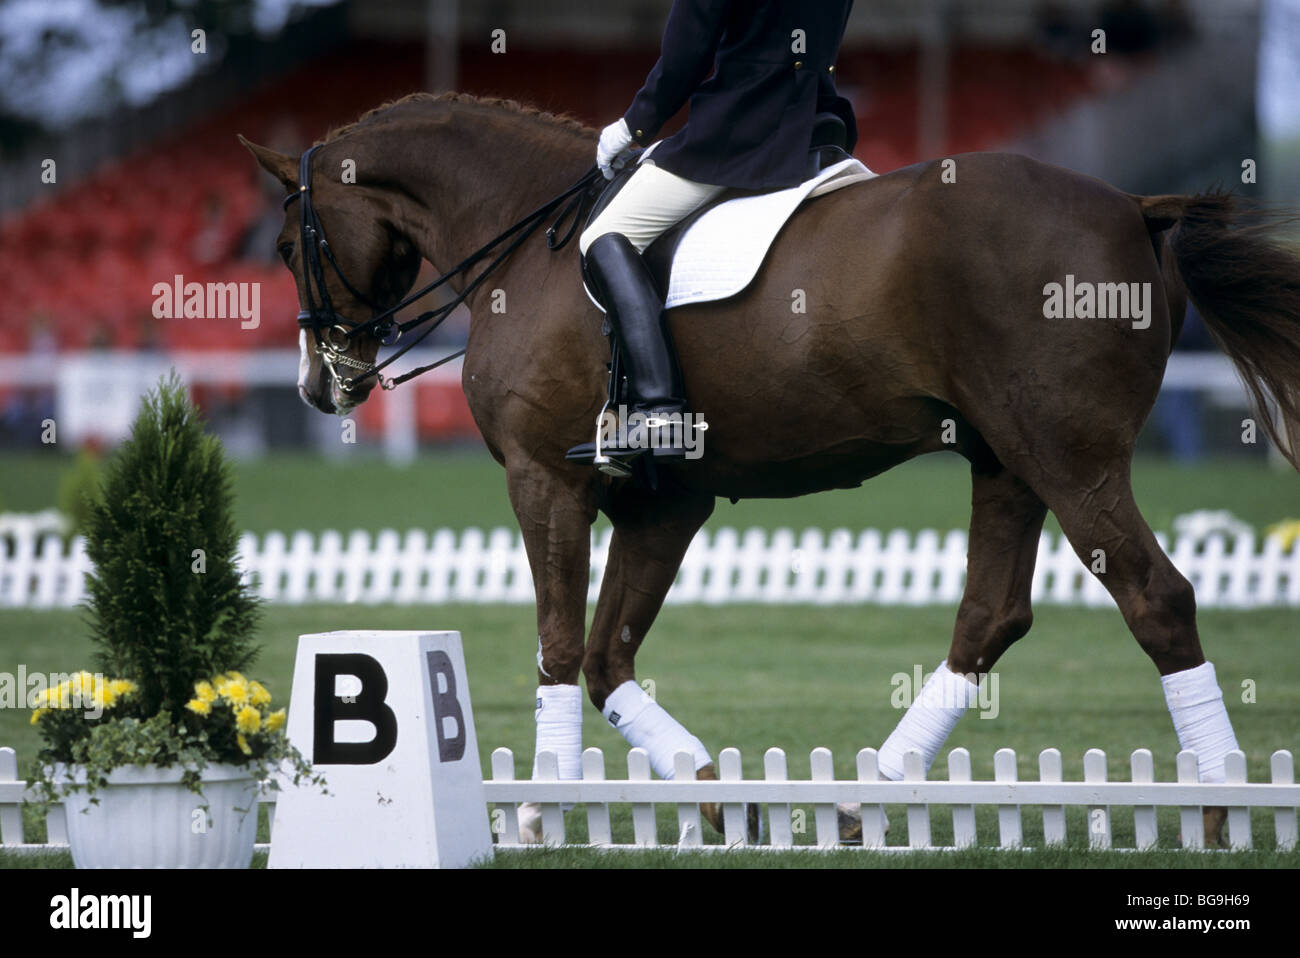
334	333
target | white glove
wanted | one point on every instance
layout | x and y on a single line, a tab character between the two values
614	139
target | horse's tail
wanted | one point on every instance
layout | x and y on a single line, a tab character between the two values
1246	285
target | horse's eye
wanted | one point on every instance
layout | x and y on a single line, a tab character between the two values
285	250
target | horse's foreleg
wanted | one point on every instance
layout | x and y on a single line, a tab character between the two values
1006	519
555	515
651	535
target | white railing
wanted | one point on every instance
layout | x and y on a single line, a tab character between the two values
98	393
725	566
787	822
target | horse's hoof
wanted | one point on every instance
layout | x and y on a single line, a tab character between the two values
1214	818
754	829
755	832
530	823
849	817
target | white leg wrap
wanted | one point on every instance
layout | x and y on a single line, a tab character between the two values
559	728
644	723
1196	706
928	720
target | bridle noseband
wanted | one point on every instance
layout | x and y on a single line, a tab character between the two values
334	333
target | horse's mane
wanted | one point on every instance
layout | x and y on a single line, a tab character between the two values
562	121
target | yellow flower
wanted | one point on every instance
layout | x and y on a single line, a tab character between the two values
122	686
275	721
248	719
243	745
204	692
106	695
237	677
235	692
36	715
1286	532
62	695
41	699
80	687
198	707
257	694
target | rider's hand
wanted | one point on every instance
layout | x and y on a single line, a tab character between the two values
614	139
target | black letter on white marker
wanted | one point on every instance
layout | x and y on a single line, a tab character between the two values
366	705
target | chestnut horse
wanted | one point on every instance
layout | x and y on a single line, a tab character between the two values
926	328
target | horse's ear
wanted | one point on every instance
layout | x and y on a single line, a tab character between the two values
280	165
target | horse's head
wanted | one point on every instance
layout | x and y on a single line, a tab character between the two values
364	266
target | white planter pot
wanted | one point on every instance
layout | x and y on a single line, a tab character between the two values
146	818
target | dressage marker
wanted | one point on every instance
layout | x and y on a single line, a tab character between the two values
386	717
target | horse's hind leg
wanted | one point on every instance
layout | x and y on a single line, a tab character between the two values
1101	519
1006	520
651	535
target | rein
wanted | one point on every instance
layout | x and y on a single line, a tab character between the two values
338	332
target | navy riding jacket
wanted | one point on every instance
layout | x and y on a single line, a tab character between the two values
751	121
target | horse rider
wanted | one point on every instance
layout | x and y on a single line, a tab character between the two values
750	126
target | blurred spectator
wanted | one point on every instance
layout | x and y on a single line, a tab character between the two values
1130	27
218	237
26	407
1175	23
1060	33
1179	414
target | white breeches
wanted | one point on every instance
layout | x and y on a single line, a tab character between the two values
652	201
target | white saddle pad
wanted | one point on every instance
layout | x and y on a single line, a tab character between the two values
721	252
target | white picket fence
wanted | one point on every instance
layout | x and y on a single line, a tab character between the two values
822	791
727	566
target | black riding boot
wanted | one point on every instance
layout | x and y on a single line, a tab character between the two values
637	317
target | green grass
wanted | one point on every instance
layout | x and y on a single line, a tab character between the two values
467	488
1068	856
801	677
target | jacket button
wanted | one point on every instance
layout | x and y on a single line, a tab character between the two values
639	134
798	64
830	69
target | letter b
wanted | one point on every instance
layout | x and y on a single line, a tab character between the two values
367	705
446	706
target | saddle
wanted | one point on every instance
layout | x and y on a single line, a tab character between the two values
716	251
826	152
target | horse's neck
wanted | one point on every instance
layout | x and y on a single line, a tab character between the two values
472	181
